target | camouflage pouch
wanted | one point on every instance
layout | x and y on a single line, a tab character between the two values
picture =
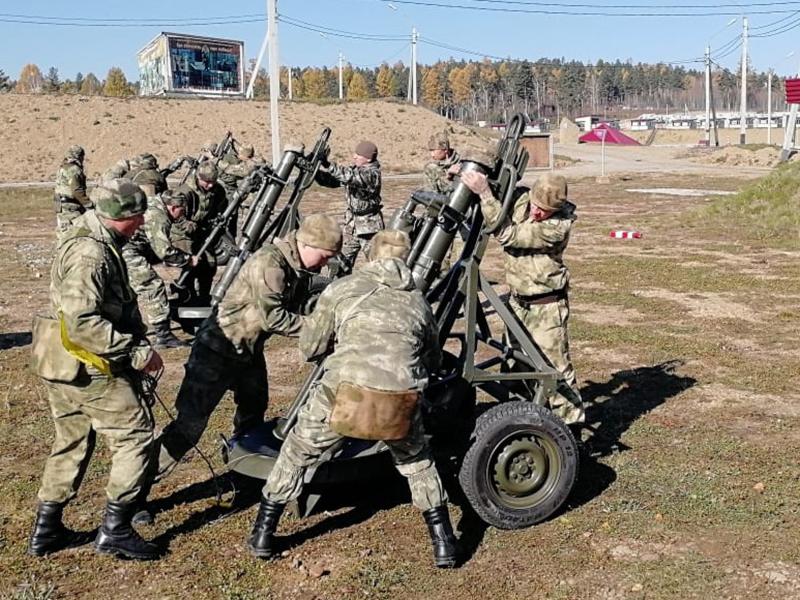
50	360
369	414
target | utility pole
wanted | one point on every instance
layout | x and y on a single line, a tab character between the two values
414	37
769	107
341	83
289	72
708	96
274	78
249	92
743	125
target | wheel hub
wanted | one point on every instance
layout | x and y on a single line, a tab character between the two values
520	468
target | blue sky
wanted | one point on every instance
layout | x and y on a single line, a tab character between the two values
586	38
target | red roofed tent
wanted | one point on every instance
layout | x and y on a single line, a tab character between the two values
613	136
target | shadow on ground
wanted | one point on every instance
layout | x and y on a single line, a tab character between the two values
15	340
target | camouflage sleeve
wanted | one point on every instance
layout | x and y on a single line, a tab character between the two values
157	227
317	335
272	299
435	179
532	235
366	179
85	274
239	170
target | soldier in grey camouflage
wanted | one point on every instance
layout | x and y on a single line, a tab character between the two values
265	299
363	217
91	353
70	196
233	168
145	172
118	170
438	175
534	238
152	245
379	339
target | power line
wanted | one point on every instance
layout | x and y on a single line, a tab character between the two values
294	22
779	30
768	25
598	13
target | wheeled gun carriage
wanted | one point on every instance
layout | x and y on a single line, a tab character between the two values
520	461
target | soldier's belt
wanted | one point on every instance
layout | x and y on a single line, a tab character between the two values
548	298
372	210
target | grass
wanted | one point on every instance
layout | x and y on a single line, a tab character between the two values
767	210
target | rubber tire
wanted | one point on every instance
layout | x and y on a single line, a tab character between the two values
475	477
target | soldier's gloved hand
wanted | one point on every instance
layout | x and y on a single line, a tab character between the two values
155	364
189	226
324	162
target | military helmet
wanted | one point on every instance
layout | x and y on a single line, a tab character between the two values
75	152
180	196
147	161
389	243
549	192
207	171
120	169
439	141
246	151
320	231
117	199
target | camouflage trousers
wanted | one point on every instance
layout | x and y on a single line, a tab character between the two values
209	374
90	405
311	441
66	213
352	245
547	324
151	292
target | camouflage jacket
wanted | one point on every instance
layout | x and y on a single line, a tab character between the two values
380	327
155	236
264	299
149	179
533	250
362	194
210	204
71	184
233	169
435	178
90	291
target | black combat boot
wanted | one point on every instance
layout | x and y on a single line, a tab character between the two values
445	550
262	539
118	537
49	532
165	338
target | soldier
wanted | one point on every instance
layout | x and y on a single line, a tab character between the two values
233	168
534	238
90	355
438	174
145	173
70	190
228	352
119	169
189	234
362	217
380	338
152	245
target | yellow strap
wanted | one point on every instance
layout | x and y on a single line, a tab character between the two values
82	354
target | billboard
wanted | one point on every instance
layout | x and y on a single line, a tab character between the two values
185	64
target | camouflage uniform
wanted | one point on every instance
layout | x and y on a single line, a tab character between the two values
539	281
363	217
144	172
228	352
435	177
71	200
91	296
390	343
152	245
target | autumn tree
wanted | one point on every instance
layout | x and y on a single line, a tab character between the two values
116	83
30	80
357	89
90	86
432	87
313	84
386	84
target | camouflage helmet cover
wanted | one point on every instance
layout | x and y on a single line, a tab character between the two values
208	172
119	199
549	192
246	151
390	243
147	161
75	152
439	141
320	231
180	196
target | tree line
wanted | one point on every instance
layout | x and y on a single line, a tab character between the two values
476	90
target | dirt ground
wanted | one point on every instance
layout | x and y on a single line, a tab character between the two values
37	129
686	349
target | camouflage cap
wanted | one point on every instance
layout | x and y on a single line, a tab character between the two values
320	231
389	243
549	192
177	197
246	151
207	171
439	141
367	150
75	152
147	161
119	199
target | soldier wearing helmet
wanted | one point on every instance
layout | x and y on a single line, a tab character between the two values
71	200
534	237
438	174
